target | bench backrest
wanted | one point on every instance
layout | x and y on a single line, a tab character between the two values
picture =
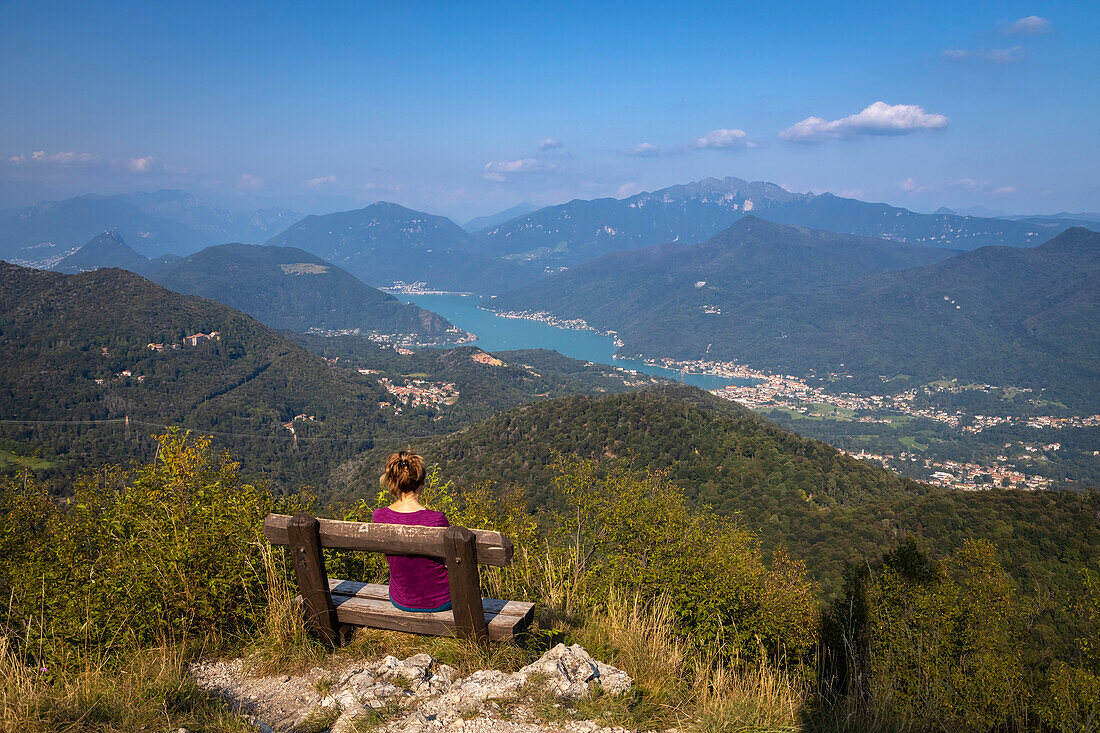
493	548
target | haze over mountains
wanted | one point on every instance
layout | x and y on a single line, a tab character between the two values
484	222
579	231
668	299
386	243
153	223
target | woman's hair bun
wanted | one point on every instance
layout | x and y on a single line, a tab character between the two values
404	473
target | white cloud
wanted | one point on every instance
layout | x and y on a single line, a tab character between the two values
549	143
64	158
320	181
645	150
1032	25
496	170
628	189
910	185
250	182
984	185
877	119
723	139
140	165
992	55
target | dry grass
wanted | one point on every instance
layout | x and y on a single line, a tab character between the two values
282	643
744	697
692	689
148	690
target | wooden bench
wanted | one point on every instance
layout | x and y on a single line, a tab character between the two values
330	604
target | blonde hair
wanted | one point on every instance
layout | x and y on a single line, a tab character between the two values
404	473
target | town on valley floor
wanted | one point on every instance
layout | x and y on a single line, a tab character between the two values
790	393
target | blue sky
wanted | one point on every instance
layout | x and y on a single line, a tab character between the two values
466	109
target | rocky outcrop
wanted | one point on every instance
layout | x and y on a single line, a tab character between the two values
415	694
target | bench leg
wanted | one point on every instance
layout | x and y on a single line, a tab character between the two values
309	566
461	546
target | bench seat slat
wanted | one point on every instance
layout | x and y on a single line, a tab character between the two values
368	604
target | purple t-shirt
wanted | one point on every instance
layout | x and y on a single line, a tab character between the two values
416	581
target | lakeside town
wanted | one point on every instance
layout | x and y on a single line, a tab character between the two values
787	392
452	337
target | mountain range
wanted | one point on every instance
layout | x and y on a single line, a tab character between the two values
669	299
386	243
282	287
569	234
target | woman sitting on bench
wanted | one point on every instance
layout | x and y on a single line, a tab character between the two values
417	583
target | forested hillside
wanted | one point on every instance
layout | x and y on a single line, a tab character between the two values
671	300
73	378
109	345
829	509
796	301
287	288
486	383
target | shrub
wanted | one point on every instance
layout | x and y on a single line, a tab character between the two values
135	559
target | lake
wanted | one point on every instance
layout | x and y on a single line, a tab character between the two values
505	334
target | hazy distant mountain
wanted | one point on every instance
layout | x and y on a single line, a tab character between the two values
45	233
106	250
386	243
152	223
484	222
218	224
579	231
288	288
665	300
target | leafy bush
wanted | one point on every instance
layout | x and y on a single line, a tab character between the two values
133	560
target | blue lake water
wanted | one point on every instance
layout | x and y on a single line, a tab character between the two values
504	334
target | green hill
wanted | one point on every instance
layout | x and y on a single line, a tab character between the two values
76	349
287	288
830	509
385	243
486	385
797	301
